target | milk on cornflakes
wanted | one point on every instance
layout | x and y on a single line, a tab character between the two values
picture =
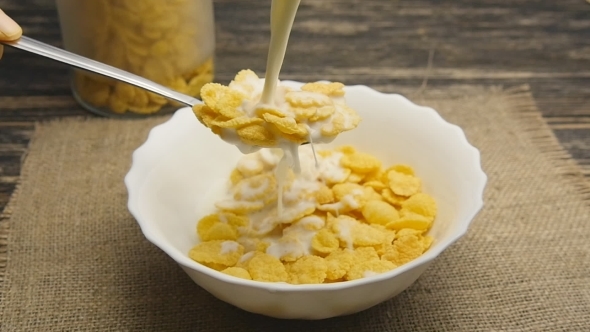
320	225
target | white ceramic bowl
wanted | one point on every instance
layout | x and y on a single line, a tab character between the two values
174	171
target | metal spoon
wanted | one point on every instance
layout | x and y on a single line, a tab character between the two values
51	52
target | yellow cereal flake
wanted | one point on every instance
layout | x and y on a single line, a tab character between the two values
212	92
360	162
427	242
393	199
296	212
204	114
365	254
352	118
335	127
350	232
376	185
355	177
364	269
256	135
379	212
346	149
205	68
239	122
264	267
307	99
215	266
288	241
266	109
324	195
159	48
256	188
339	263
140	100
347	189
156	99
387	240
324	242
239	207
250	166
403	184
332	178
124	91
371	195
235	176
218	252
261	246
303	113
229	102
308	270
296	138
333	89
117	104
237	272
401	168
147	109
344	206
220	231
250	244
245	81
205	223
286	125
178	84
211	228
343	227
244	75
246	258
322	113
406	248
411	220
234	220
407	232
196	83
422	204
364	235
96	93
376	175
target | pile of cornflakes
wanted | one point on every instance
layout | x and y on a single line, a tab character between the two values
234	110
158	40
343	219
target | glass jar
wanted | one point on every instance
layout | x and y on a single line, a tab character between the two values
171	42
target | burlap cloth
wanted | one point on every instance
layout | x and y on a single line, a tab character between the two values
76	259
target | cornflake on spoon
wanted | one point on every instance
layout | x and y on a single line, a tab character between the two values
316	113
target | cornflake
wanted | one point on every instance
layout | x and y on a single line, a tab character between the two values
308	270
237	272
347	219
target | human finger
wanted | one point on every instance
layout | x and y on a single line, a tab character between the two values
9	29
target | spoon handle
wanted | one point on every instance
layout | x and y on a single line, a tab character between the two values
48	51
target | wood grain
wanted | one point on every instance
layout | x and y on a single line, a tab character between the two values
381	43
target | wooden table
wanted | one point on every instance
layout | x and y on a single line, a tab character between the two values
385	44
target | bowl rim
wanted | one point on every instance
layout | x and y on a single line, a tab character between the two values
135	179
